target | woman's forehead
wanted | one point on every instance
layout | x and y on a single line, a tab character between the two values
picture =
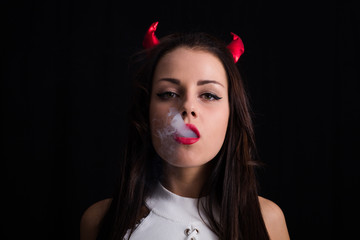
190	64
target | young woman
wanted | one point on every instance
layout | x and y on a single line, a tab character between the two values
188	166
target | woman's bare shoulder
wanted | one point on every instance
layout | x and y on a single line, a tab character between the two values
274	219
91	218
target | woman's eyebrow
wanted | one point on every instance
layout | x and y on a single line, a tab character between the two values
172	80
203	82
199	83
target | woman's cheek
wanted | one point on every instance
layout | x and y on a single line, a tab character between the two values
218	127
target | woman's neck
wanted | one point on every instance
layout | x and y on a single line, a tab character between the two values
186	182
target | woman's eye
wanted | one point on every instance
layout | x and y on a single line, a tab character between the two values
210	96
166	95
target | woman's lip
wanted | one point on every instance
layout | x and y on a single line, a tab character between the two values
187	140
194	129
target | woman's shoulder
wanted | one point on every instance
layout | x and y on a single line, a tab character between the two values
274	219
91	218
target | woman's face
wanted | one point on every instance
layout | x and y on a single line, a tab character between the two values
189	107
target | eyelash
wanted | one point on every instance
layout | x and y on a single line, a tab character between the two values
207	96
167	95
213	97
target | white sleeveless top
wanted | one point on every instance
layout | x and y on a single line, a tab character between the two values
172	217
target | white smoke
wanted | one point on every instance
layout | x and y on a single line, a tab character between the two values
179	126
171	126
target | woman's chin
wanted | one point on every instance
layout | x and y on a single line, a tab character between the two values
185	161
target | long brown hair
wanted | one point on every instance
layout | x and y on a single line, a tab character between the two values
231	187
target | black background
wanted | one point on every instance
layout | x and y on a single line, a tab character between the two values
65	93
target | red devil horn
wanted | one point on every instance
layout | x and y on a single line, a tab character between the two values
150	39
236	47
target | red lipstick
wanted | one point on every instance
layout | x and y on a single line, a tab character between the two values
189	140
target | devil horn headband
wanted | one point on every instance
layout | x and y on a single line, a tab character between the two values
150	39
236	46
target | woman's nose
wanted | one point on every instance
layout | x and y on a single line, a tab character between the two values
185	113
189	108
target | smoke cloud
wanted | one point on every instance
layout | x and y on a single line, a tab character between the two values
179	126
171	126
